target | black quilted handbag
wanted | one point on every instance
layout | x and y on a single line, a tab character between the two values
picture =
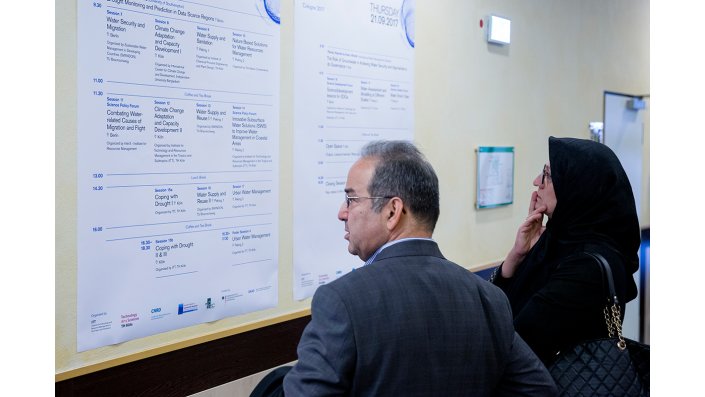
614	366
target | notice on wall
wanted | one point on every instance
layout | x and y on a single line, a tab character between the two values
353	83
178	182
495	176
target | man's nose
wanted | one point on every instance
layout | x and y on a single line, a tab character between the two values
343	212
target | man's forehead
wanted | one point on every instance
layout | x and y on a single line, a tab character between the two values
360	174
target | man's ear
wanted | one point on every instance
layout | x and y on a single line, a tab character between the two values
394	211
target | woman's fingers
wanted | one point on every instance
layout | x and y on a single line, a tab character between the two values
532	204
536	214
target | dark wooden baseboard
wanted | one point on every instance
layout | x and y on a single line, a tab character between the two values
194	369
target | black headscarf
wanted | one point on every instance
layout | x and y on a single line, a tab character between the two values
595	198
595	209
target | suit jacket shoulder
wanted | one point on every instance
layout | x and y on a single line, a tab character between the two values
411	323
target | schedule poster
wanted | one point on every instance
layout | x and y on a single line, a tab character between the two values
354	69
178	124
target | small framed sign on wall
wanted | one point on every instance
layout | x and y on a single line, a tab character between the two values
495	176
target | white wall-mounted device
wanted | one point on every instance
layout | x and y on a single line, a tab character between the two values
498	30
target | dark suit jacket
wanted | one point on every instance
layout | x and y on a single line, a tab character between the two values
413	324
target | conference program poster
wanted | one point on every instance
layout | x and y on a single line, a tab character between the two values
353	83
178	164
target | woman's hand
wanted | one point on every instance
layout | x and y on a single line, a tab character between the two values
527	235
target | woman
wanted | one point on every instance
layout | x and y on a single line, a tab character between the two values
555	289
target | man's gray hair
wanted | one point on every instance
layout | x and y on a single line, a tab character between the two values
403	171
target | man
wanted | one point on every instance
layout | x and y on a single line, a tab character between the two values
409	322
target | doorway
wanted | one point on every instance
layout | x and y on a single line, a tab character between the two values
626	123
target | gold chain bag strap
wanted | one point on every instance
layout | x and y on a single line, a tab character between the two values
613	366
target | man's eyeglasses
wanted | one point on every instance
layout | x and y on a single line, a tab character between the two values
546	174
349	199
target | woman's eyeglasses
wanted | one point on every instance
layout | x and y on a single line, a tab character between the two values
546	174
